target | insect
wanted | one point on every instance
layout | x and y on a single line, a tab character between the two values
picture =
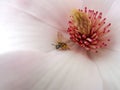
60	44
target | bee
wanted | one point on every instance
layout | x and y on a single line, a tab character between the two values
60	44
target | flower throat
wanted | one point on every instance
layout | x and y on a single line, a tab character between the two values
88	29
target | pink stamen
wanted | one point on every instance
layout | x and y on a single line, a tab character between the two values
93	39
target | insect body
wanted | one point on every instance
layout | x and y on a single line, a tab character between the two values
60	44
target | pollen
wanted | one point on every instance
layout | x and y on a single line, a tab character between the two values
88	29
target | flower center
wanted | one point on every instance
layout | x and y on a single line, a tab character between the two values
88	29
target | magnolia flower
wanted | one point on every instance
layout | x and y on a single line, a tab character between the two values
28	28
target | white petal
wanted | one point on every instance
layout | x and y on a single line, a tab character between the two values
52	12
108	63
114	18
55	71
19	31
100	5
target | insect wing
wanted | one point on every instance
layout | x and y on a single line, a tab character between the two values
59	37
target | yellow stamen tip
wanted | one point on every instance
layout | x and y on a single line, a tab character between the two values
81	21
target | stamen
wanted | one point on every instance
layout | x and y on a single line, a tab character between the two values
88	29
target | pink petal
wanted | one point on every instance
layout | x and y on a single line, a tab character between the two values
53	71
114	17
22	31
100	5
53	12
109	68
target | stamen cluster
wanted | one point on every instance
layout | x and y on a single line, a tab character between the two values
88	29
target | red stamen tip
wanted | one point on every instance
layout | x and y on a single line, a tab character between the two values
88	29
